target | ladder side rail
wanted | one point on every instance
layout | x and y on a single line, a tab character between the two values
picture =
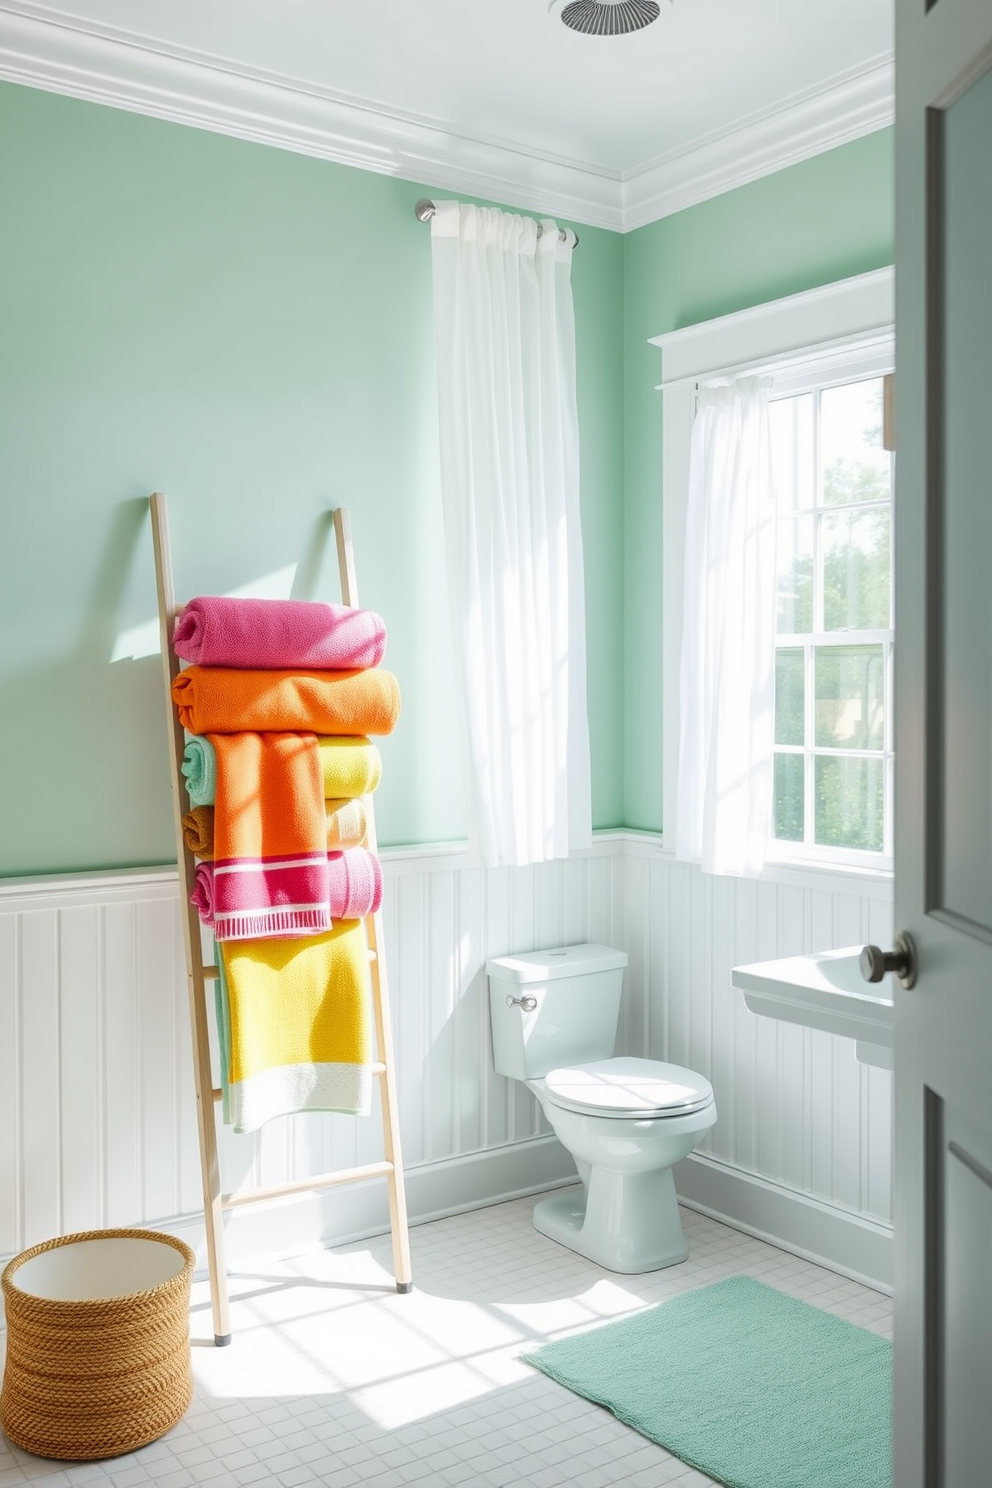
380	990
195	978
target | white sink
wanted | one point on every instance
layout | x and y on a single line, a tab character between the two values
827	991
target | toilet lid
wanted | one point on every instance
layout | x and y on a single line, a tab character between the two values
629	1087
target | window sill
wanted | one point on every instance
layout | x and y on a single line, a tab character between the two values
873	883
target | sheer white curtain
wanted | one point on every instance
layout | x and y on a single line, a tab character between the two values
510	489
727	678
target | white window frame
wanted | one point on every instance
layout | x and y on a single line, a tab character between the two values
849	324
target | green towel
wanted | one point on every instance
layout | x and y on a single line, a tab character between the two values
199	766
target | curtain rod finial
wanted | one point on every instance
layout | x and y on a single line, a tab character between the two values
424	209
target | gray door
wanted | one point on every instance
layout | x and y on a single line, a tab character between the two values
943	842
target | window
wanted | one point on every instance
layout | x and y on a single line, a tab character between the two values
833	658
827	352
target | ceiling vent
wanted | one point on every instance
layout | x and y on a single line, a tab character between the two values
604	18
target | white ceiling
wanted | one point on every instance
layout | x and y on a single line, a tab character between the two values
499	86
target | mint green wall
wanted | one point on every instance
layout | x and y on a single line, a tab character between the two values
827	218
250	331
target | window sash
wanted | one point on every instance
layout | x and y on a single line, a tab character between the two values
839	333
818	639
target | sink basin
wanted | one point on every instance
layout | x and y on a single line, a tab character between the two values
825	990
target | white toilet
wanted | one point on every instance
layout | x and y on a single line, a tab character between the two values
625	1121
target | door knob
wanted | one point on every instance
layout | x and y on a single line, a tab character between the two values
874	962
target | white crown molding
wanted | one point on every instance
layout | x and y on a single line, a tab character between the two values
855	104
43	48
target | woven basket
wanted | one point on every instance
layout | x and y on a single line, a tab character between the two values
91	1372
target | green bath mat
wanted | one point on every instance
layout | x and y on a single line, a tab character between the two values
752	1387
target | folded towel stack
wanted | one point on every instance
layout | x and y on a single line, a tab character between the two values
281	697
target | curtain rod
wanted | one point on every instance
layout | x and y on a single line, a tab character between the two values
424	211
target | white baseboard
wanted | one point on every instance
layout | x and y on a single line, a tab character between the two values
832	1237
822	1233
340	1216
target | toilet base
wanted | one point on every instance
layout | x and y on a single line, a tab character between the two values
627	1222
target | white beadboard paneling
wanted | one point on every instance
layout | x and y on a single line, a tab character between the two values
158	976
795	1107
494	888
408	984
96	1087
10	1089
81	1040
122	1158
96	1096
41	1077
463	905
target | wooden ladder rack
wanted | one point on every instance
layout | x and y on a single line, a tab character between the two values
199	973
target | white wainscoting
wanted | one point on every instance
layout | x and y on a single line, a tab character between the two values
96	1098
797	1112
96	1093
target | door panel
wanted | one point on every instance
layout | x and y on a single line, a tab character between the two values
967	1313
962	187
942	1170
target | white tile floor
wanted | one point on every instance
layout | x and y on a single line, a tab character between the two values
334	1379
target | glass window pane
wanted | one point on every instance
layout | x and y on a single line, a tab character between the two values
789	791
793	452
795	576
849	698
790	675
856	568
855	466
849	809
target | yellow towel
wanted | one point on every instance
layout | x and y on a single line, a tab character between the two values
350	766
300	1025
347	824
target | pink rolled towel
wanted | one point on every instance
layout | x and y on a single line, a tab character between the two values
278	633
202	896
355	888
356	883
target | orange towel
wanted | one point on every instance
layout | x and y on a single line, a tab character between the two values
270	837
347	823
223	700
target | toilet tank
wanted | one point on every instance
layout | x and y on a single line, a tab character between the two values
556	1007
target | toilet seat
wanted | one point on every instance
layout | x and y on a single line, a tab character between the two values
628	1087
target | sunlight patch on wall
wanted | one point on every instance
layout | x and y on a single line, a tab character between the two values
142	640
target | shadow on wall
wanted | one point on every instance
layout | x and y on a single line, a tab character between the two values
307	581
467	1105
84	750
83	747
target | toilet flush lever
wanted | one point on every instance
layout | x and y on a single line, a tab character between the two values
527	1003
874	962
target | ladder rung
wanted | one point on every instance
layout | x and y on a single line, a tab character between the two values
210	973
304	1185
217	1093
